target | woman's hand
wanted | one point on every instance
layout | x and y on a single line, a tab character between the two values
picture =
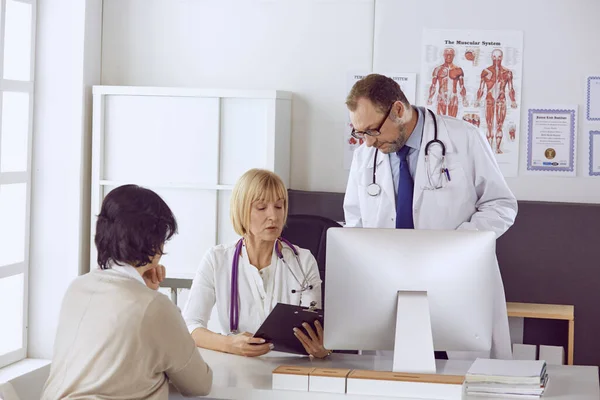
154	276
312	341
244	344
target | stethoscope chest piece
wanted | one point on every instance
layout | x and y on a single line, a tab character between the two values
373	189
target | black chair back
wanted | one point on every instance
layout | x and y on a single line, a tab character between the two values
310	232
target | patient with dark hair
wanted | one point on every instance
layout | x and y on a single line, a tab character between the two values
117	336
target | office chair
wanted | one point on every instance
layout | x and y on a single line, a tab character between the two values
310	232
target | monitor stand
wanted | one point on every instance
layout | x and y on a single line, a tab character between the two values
413	346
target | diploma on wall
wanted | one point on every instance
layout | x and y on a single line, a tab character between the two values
594	152
592	101
552	140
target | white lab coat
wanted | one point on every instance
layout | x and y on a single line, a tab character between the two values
476	198
212	285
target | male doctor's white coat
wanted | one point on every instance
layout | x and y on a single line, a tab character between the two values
476	198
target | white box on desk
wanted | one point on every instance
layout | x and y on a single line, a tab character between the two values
291	378
553	355
524	351
328	380
419	386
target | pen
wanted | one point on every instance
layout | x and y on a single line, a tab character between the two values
447	174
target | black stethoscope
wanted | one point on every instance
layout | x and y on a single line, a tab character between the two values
234	316
374	189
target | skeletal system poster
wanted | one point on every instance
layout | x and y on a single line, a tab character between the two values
476	76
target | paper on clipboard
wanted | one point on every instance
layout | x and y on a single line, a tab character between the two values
279	326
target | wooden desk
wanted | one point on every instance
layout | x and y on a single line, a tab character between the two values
547	311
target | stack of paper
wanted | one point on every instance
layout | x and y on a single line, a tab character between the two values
525	379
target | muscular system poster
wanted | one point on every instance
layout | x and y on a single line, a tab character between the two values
476	76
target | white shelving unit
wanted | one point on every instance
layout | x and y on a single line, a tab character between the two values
189	146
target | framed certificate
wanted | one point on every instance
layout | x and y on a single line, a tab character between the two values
594	163
551	140
592	90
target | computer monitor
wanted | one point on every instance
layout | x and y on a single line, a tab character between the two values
411	291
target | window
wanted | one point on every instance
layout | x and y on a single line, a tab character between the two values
17	49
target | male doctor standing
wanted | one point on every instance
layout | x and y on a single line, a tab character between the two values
398	178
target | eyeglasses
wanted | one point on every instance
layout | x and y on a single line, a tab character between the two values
371	132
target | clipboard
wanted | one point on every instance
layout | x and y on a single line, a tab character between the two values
279	326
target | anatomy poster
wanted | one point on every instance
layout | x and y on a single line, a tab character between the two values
476	76
408	84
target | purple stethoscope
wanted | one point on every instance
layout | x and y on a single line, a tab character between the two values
234	316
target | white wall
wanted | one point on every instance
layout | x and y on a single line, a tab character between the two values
301	46
67	64
307	46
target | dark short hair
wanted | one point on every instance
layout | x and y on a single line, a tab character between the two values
379	89
132	227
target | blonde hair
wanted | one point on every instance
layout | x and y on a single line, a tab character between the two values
255	185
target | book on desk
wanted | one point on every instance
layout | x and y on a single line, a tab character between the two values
507	378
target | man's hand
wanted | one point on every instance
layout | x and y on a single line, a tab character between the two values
244	344
154	276
312	341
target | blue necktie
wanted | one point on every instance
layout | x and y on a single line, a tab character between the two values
404	200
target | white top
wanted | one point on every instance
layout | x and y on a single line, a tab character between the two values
128	270
266	274
258	293
113	326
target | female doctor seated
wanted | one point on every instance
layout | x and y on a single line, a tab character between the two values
246	279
